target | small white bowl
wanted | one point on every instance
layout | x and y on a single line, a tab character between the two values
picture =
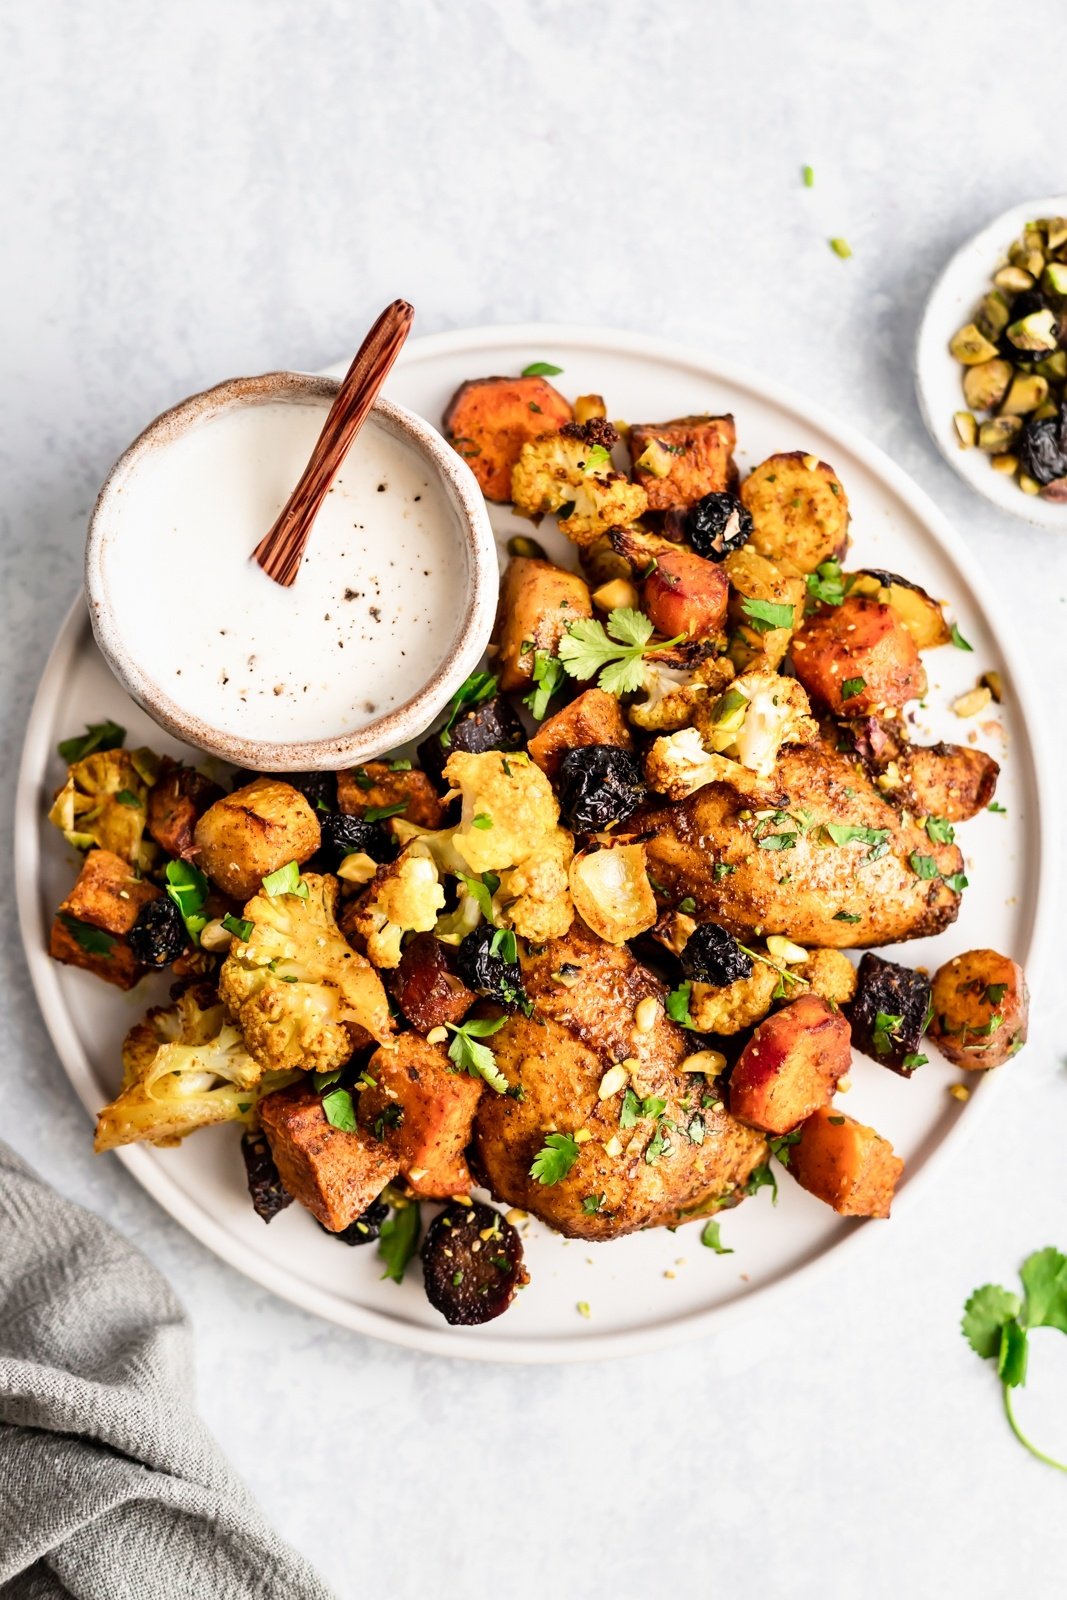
953	301
475	548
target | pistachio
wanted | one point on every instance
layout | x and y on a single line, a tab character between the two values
1053	367
994	683
588	406
1054	278
656	459
974	701
998	434
520	545
1034	263
1006	465
1013	280
1049	409
1056	232
966	426
993	315
1028	391
985	386
1034	332
970	346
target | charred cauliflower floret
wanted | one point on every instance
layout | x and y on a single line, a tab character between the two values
571	472
677	765
676	682
184	1067
757	715
104	802
405	896
301	995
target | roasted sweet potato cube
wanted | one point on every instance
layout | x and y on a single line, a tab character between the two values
592	718
858	657
537	601
376	785
488	420
108	894
422	1112
846	1164
790	1066
427	988
695	457
889	1013
176	802
981	1009
79	944
254	831
334	1173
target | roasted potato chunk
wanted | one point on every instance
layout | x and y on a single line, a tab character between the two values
334	1173
488	420
791	1065
799	510
252	832
422	1112
858	657
176	802
428	990
846	1164
108	894
695	456
980	1009
753	577
378	785
592	718
537	600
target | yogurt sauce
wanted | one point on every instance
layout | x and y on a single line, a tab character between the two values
374	610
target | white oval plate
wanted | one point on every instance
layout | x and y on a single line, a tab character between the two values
654	1288
952	303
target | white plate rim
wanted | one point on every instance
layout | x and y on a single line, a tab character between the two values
936	328
152	1176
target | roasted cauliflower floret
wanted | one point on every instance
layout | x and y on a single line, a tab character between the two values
301	995
105	802
405	896
830	974
184	1067
676	682
534	897
573	468
758	714
735	1006
508	808
677	765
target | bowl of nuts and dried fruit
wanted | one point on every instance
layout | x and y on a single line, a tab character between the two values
991	362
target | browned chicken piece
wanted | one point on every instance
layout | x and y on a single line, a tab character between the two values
176	802
334	1173
686	459
378	785
658	1145
832	866
421	1111
953	781
592	718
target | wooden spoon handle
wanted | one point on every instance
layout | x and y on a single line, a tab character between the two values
281	551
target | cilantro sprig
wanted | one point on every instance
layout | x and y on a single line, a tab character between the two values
614	651
468	1055
997	1323
555	1159
549	674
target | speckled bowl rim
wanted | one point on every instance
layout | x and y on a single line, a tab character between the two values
395	727
956	292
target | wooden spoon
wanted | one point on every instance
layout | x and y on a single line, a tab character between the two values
281	551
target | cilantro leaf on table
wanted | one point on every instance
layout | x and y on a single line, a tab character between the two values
614	651
996	1324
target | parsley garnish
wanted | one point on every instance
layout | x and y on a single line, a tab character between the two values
97	736
997	1323
885	1030
398	1241
940	830
712	1240
852	687
958	640
339	1110
286	880
548	674
765	615
541	369
923	866
188	888
380	813
238	926
480	686
92	940
555	1159
477	1059
615	651
677	1004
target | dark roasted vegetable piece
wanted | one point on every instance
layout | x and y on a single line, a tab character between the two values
471	1277
1043	448
490	726
598	784
718	524
426	985
269	1196
889	1013
318	788
484	968
711	955
366	1228
343	835
176	802
158	937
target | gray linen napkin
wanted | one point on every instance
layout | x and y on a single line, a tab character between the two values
111	1488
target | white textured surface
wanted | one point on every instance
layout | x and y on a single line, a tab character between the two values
202	191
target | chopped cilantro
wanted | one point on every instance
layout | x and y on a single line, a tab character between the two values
957	881
721	870
592	1203
483	820
541	369
482	891
994	993
765	615
94	941
97	736
380	813
827	584
762	1177
188	888
286	880
958	640
994	805
913	1060
711	1239
402	765
677	1004
940	831
656	1146
852	687
549	674
885	1030
339	1110
398	1240
688	905
923	866
126	797
238	926
847	916
555	1159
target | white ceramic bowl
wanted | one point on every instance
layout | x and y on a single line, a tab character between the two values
952	303
474	549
